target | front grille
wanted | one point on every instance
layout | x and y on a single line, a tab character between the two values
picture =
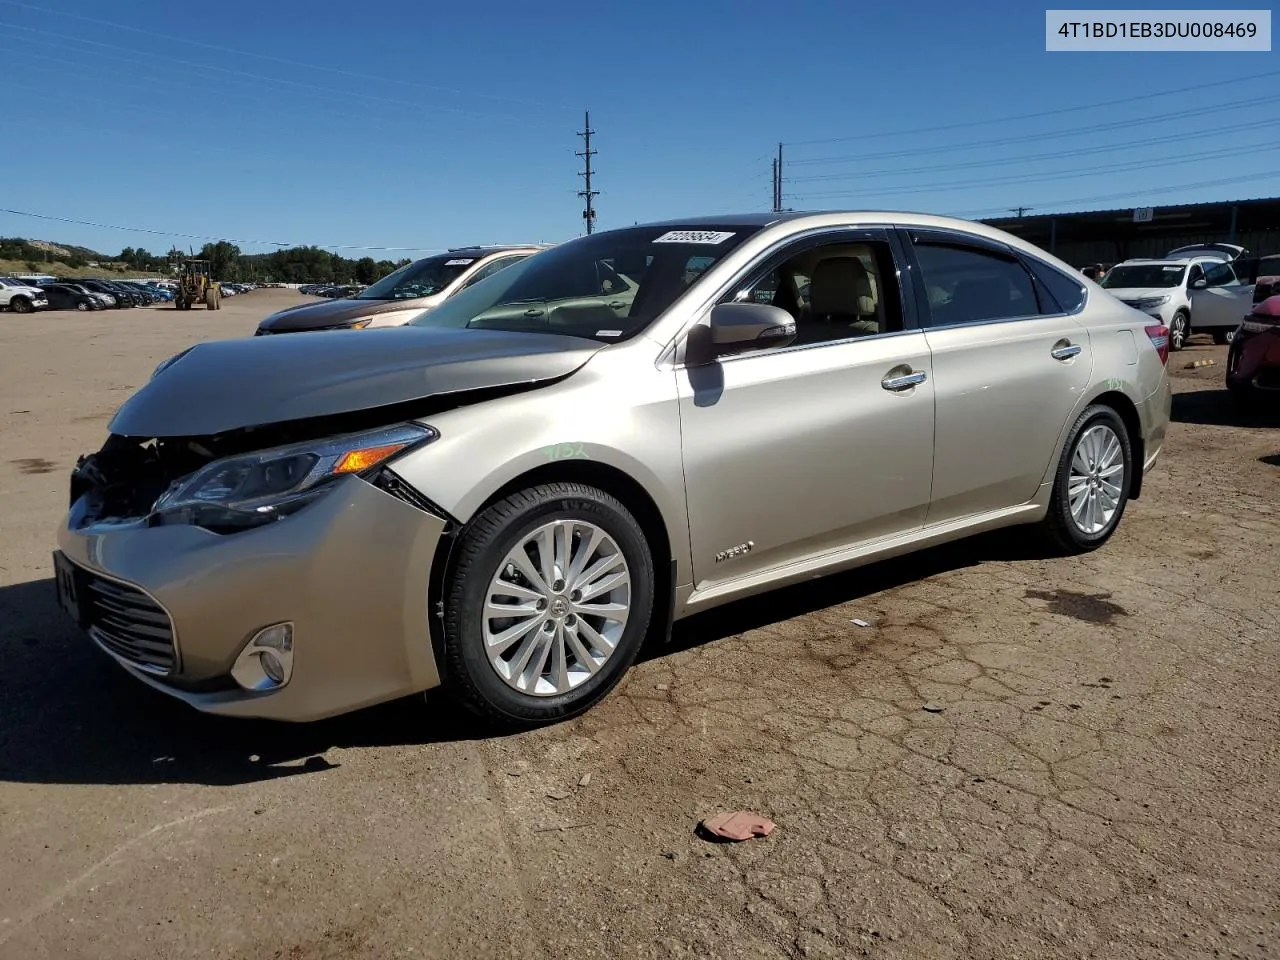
127	622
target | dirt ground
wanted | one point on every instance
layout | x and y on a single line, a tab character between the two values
1096	774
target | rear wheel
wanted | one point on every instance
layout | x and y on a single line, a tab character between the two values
547	605
1179	330
20	305
1092	483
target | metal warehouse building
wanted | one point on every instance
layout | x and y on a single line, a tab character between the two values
1109	236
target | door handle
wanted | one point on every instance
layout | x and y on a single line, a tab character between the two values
616	305
1065	350
533	313
904	382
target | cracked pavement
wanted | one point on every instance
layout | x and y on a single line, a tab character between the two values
1017	757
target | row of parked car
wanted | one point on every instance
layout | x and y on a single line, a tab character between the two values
29	294
26	295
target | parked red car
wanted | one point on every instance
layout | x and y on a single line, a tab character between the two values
1267	281
1253	362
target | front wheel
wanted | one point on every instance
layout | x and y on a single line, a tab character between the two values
1179	330
82	306
1223	335
20	305
547	605
1092	483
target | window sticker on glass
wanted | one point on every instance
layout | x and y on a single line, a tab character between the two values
608	333
694	236
458	263
1172	269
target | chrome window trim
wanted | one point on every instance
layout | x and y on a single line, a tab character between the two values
774	351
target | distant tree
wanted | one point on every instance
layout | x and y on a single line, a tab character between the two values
366	270
224	258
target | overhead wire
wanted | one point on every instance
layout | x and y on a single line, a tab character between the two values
188	41
1033	158
1071	175
1039	114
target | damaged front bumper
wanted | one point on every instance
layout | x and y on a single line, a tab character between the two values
177	605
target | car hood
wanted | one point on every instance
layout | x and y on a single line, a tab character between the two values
332	313
1140	293
231	384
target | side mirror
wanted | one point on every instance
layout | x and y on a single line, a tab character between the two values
1200	284
743	326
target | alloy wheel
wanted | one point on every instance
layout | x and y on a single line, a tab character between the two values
557	607
1178	332
1095	484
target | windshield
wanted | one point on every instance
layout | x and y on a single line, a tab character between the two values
608	286
422	278
1145	275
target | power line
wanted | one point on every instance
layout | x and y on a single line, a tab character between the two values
1075	174
1034	116
188	41
1050	135
212	239
1129	194
1032	158
589	212
328	91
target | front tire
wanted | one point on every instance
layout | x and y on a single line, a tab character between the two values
1091	486
576	570
82	306
1179	330
1223	335
20	305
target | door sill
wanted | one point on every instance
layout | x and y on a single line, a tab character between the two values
820	565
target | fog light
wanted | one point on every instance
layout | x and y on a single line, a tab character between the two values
266	663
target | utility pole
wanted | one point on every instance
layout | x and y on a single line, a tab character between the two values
773	185
587	194
1020	210
777	181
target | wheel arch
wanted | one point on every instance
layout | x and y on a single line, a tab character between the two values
604	477
1109	394
1128	413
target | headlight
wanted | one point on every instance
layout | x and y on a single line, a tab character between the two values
1147	303
166	364
236	493
355	324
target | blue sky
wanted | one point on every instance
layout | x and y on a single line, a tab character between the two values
405	123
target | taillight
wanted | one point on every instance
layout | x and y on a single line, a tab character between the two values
1159	335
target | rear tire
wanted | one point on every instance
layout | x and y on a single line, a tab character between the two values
1092	483
566	658
1179	330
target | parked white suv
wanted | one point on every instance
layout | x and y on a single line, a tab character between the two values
18	296
1194	295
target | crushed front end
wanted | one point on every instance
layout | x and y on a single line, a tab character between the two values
277	572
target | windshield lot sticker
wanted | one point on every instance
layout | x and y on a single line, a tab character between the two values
458	263
694	236
608	333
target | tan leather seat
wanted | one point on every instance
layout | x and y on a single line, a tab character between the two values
842	301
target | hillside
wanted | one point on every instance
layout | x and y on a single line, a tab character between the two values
19	255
